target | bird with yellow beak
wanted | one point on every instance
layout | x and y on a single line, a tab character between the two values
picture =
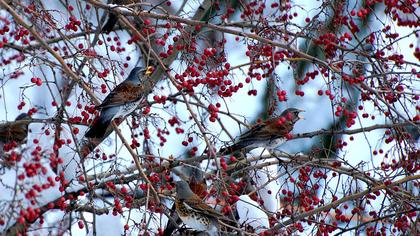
123	100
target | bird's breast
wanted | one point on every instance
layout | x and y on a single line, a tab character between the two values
196	221
181	209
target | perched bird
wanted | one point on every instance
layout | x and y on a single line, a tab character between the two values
15	131
269	134
113	18
123	100
194	212
197	184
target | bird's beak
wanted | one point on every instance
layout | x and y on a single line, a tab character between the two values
300	116
149	70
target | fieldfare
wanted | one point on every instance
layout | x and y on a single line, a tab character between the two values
113	18
268	134
194	212
123	100
15	131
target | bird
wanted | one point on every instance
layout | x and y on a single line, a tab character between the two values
15	131
123	100
269	134
194	212
113	18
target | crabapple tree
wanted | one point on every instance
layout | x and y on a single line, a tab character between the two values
219	67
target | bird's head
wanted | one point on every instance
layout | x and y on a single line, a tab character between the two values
139	73
292	114
23	117
183	190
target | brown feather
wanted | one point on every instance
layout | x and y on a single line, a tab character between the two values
13	131
197	204
273	128
122	94
266	132
199	188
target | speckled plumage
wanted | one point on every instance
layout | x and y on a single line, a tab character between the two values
194	212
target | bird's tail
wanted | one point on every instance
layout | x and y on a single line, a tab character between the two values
98	129
111	22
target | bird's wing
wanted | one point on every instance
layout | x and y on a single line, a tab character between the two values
19	132
4	132
258	132
13	132
122	94
277	130
253	136
198	205
266	131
